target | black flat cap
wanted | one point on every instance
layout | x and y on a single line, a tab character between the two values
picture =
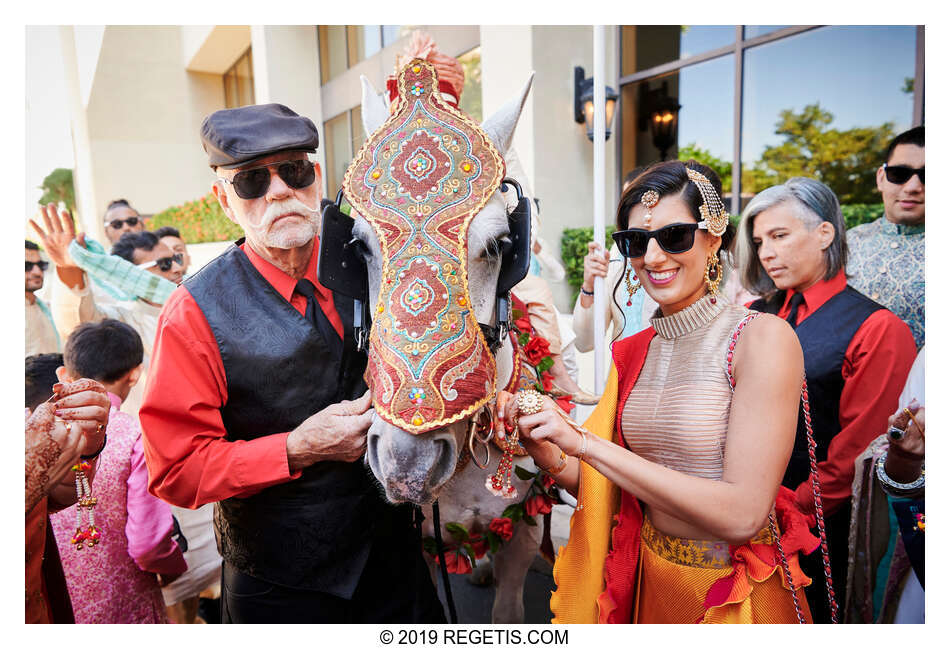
236	136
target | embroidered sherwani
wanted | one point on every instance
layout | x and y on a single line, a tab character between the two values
886	263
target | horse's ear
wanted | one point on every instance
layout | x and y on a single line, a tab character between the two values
375	108
500	127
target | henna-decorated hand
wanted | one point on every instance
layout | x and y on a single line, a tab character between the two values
85	404
52	448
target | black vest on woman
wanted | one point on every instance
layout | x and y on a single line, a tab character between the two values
315	532
824	336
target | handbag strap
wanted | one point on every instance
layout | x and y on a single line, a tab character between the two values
815	484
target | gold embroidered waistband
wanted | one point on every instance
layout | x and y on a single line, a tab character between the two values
697	553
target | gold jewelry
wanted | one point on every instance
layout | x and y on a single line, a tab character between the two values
649	200
561	464
715	218
713	274
530	402
632	287
583	452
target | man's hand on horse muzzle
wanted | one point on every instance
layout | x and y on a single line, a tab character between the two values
336	433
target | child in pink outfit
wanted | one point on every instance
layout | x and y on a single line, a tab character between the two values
119	580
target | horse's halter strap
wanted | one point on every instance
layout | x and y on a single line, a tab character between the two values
419	180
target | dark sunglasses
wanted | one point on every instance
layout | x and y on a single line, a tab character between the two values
117	223
42	264
901	174
253	183
164	264
674	239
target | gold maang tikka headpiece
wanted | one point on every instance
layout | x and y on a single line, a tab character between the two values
649	200
715	219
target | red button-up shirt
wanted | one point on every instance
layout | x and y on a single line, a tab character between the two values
190	462
876	365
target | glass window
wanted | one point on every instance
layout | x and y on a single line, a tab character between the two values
824	104
702	129
646	46
471	101
362	41
337	134
751	31
356	130
391	34
332	39
239	82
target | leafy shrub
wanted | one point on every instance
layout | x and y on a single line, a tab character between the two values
199	221
860	213
573	250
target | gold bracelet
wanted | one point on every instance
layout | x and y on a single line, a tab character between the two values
583	453
561	464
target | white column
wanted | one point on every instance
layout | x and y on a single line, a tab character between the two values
600	373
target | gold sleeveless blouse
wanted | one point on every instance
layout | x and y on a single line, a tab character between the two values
677	414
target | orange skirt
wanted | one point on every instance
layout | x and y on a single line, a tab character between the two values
683	581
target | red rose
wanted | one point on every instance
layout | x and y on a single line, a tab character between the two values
547	381
547	481
538	504
501	527
536	349
479	546
565	403
523	324
456	563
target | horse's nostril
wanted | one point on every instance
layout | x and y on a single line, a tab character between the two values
372	445
445	465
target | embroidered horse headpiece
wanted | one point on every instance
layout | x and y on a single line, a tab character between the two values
419	180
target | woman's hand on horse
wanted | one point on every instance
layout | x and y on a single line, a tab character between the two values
535	430
337	433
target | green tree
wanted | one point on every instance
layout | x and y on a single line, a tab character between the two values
845	160
722	168
58	187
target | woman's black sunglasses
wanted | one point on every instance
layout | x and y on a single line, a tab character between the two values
674	239
253	183
901	174
42	264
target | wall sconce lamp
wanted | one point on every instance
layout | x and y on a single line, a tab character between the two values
660	113
584	103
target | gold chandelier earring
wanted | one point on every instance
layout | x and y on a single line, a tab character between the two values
632	286
713	275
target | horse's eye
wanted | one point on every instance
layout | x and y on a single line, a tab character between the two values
496	248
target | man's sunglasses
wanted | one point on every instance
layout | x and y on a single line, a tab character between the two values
901	174
674	239
253	183
42	264
164	264
117	223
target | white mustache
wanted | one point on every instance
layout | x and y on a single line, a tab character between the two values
281	208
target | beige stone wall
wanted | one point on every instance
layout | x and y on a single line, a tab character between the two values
143	117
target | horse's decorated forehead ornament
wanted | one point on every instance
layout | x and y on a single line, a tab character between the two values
419	180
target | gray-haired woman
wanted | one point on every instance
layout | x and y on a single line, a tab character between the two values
857	353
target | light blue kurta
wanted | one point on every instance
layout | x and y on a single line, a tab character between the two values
886	263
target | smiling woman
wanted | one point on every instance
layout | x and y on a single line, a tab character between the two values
693	454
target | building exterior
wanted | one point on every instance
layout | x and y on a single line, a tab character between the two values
759	103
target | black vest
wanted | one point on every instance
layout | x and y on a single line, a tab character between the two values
315	532
825	336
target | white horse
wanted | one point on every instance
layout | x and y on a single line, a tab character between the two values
421	468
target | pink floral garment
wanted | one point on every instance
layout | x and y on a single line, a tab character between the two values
115	582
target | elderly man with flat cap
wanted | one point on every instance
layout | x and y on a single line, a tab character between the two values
256	402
